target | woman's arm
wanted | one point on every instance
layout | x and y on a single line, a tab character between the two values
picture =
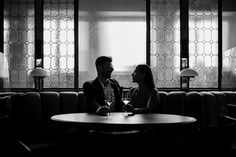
152	103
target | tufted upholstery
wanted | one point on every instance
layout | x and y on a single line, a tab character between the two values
31	111
205	106
194	106
30	121
50	106
175	103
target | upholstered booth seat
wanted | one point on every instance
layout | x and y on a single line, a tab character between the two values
30	125
30	120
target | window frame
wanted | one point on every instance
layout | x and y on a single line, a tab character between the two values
184	45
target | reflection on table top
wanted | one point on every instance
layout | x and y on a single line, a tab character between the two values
118	119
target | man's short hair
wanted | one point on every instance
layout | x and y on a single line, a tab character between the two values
102	60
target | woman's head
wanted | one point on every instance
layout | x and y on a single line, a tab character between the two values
143	73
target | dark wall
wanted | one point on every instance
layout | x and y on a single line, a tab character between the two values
113	5
229	5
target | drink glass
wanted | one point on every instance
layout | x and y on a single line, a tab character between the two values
126	100
109	102
109	99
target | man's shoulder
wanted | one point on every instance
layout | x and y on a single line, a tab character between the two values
89	83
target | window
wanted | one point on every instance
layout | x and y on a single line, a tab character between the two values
203	42
229	45
114	28
75	33
165	43
19	43
59	43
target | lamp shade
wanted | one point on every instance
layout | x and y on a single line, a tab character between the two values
39	72
188	73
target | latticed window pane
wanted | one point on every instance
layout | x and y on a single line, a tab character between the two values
165	42
203	42
18	43
59	43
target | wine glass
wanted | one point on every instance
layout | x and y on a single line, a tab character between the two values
126	100
109	99
109	102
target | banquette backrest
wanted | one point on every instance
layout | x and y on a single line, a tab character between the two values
34	109
30	112
206	106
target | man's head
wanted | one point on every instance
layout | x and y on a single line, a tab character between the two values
104	66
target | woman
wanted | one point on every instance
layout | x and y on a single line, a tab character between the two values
145	97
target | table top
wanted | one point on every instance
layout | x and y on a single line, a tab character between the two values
117	119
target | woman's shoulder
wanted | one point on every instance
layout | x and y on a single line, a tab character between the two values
155	91
134	88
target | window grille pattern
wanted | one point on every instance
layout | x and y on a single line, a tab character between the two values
203	42
165	42
59	43
19	42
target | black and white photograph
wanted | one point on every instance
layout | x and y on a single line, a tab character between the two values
117	78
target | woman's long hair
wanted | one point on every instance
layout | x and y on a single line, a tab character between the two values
148	78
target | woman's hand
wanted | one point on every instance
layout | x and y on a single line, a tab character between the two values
128	108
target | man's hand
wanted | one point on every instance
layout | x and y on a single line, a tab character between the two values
103	110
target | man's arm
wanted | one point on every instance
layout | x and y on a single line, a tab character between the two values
92	105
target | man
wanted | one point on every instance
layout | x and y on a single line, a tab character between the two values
103	94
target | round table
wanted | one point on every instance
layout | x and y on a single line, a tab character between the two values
117	120
128	132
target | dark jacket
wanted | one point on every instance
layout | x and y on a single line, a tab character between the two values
95	96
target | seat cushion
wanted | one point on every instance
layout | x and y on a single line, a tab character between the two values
231	110
4	106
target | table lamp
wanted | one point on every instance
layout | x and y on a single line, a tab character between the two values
186	74
38	74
